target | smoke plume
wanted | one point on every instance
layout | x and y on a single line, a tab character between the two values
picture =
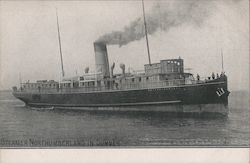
163	16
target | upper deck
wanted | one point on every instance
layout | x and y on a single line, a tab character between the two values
167	73
128	83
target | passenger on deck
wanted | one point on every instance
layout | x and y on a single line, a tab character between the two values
198	77
222	74
213	76
217	75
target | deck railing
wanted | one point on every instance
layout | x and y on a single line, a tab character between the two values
113	87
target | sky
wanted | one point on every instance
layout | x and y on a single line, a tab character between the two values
29	43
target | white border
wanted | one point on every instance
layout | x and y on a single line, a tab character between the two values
194	155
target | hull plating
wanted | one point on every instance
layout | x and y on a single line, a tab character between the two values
197	98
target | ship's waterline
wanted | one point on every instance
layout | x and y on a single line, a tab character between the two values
178	109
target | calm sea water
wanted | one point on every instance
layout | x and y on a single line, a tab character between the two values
24	127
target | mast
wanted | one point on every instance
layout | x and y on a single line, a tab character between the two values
59	41
20	79
222	66
146	32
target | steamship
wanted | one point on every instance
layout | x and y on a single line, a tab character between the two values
161	87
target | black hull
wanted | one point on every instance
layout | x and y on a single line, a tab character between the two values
204	97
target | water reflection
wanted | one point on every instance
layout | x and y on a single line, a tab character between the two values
125	128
